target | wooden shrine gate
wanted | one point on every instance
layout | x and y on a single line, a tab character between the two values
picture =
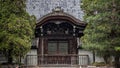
58	34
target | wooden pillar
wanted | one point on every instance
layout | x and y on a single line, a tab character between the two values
42	50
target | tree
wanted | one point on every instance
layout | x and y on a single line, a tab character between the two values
16	29
103	30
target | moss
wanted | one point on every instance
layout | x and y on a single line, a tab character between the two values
99	64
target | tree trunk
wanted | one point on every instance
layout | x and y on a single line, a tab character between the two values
106	59
93	56
10	59
117	62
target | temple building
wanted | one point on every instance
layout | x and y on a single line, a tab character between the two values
59	28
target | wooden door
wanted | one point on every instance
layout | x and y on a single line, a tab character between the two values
57	47
58	52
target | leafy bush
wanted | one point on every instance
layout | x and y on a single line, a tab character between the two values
99	64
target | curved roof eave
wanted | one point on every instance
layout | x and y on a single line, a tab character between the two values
60	15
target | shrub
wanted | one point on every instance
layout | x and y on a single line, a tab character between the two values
99	64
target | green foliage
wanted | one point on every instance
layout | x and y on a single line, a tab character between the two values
99	64
16	28
103	30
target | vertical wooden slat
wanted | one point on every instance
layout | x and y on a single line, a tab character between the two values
39	51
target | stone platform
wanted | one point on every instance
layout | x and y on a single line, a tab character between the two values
65	67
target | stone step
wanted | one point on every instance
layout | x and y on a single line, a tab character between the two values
65	67
50	67
58	67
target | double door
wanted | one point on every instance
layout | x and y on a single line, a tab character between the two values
57	51
57	47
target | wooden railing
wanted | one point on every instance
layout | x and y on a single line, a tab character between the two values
70	59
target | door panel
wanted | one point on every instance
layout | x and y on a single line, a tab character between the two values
52	47
63	47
